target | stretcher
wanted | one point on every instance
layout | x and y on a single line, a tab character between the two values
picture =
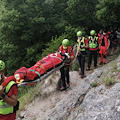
41	70
33	82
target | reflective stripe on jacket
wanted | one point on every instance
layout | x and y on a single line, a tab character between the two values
4	107
93	43
82	42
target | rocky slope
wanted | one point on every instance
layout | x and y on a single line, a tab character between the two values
81	101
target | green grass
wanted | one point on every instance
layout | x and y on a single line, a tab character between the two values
108	77
75	67
109	81
94	84
28	93
118	70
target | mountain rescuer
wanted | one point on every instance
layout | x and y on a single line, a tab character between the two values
64	48
93	42
8	97
82	44
104	46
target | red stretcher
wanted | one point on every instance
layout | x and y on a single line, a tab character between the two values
41	70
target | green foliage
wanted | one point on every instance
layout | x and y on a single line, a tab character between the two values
28	93
107	12
94	84
108	78
81	13
109	81
118	70
52	47
27	26
75	67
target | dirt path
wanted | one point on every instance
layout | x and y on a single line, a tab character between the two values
41	108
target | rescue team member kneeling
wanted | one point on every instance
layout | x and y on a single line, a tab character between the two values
8	97
93	49
104	46
82	45
64	48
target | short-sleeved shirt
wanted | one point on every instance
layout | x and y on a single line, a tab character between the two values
11	116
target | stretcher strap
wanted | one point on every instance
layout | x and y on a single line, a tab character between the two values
35	72
33	82
41	66
52	61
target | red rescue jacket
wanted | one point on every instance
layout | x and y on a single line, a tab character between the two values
68	50
105	40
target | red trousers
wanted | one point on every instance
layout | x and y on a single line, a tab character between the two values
103	54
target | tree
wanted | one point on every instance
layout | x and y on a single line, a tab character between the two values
27	25
108	12
82	13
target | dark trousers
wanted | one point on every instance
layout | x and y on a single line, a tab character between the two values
93	54
81	60
64	75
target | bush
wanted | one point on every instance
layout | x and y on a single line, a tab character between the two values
53	46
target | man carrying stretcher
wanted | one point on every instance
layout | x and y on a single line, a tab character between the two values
65	49
44	67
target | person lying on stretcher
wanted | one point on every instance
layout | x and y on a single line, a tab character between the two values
43	66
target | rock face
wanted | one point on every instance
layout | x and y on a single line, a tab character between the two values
81	101
101	104
75	97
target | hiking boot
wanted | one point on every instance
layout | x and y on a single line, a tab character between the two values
63	88
82	76
87	68
100	63
67	85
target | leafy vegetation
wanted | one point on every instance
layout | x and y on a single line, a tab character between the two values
109	81
31	29
75	67
94	84
108	78
28	93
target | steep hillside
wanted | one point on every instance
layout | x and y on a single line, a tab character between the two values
82	101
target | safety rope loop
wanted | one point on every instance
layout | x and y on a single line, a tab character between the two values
74	58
